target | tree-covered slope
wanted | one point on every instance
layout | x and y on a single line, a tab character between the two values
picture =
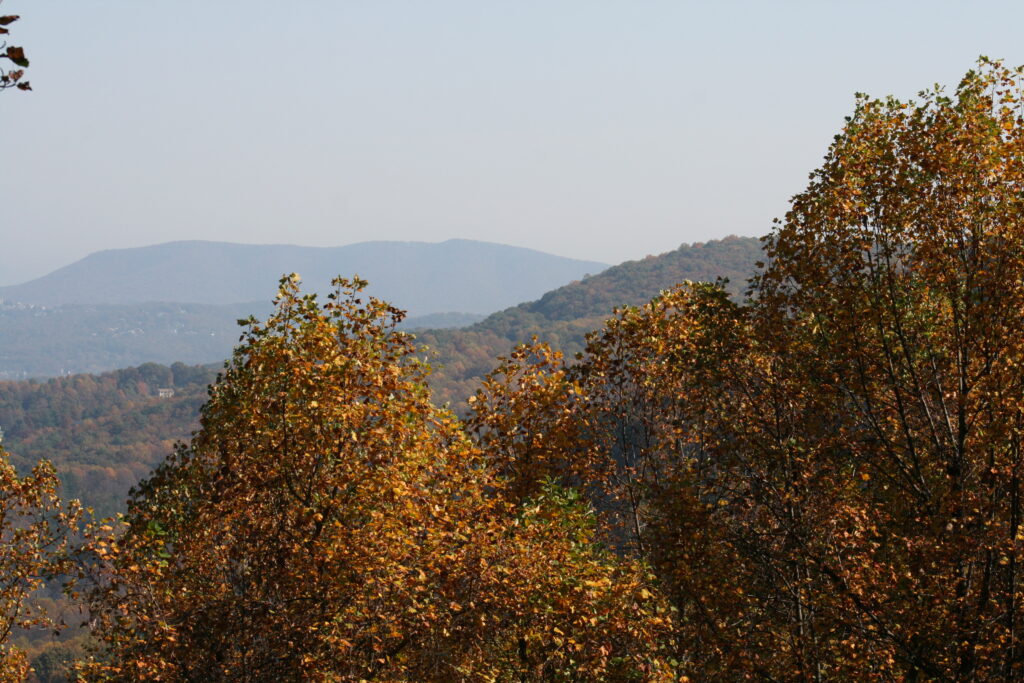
102	432
564	316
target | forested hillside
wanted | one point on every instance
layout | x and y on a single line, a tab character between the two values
102	432
564	316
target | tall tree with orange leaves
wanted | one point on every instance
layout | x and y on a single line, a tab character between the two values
900	272
827	480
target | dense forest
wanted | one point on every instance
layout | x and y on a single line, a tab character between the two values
819	482
102	432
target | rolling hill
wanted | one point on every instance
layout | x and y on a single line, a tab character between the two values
564	316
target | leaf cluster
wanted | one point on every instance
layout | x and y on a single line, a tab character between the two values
12	78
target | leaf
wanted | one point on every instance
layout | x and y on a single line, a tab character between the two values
17	55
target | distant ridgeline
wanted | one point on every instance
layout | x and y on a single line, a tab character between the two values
104	432
111	309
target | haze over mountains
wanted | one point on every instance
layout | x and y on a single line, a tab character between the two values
564	316
46	340
463	276
180	301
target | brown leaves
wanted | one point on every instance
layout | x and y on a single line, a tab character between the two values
16	55
826	480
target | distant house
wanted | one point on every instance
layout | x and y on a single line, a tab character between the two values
165	393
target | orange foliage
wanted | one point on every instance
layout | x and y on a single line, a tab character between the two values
35	530
826	481
328	523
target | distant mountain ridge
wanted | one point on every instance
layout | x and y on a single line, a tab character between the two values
47	341
421	277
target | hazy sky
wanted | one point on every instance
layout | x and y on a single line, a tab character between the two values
594	129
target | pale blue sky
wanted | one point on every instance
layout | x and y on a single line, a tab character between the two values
587	128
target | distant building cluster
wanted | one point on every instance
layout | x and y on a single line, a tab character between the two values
11	305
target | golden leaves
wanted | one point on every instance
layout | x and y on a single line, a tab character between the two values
36	530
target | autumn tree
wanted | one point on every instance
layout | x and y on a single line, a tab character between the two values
642	422
35	534
826	481
328	523
900	271
12	77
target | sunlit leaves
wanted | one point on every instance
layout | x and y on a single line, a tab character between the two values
826	482
822	483
328	523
